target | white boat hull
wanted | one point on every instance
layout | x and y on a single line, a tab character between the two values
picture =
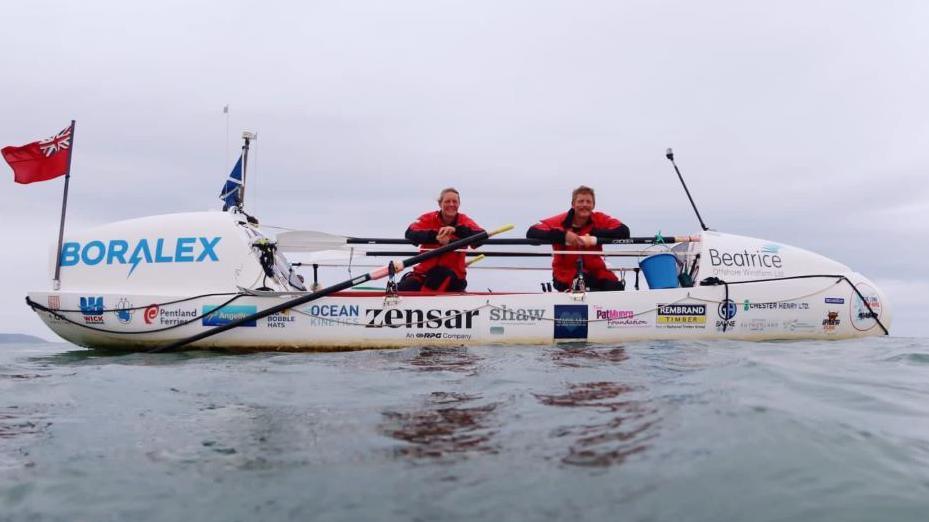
813	308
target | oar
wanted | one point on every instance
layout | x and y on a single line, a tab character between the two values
375	274
311	241
491	253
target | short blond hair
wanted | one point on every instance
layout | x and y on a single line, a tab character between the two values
583	189
445	191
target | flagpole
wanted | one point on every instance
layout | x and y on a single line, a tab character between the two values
248	137
56	283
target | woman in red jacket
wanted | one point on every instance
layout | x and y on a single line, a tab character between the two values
579	229
447	272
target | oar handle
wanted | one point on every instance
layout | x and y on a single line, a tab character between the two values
429	254
644	240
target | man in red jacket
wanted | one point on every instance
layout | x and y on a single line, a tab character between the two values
579	229
447	272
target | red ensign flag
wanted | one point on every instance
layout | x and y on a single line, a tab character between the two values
40	160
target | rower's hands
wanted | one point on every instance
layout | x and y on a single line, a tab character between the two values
587	241
575	241
445	235
571	239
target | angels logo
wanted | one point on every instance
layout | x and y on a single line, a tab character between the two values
124	311
831	322
56	143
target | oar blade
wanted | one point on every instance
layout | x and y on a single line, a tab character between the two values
308	241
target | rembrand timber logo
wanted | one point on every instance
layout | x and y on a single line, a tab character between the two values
159	250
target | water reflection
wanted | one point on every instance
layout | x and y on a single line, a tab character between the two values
440	429
94	356
630	423
577	356
445	358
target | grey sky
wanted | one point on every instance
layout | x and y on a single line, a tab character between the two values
803	122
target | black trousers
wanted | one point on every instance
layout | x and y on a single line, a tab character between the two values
593	284
436	279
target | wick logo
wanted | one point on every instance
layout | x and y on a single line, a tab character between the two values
151	313
92	305
92	309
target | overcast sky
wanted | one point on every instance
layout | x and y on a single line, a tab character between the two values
804	122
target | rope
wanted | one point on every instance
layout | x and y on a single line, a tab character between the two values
839	278
34	305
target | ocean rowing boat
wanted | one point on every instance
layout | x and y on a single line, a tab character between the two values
215	280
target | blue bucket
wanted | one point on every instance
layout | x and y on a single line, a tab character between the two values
660	271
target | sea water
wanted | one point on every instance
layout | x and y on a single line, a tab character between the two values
650	431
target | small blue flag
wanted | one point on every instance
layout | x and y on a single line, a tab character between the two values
232	190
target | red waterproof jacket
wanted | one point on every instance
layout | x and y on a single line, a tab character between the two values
423	232
564	266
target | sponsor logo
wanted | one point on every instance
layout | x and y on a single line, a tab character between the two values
332	310
92	309
727	309
726	312
418	318
280	319
215	315
54	303
619	318
759	325
831	322
757	259
765	261
570	322
331	314
124	311
168	316
150	314
496	330
526	316
748	305
835	300
862	318
681	316
158	250
796	325
438	335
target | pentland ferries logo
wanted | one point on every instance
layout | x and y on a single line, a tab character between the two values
418	318
159	250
